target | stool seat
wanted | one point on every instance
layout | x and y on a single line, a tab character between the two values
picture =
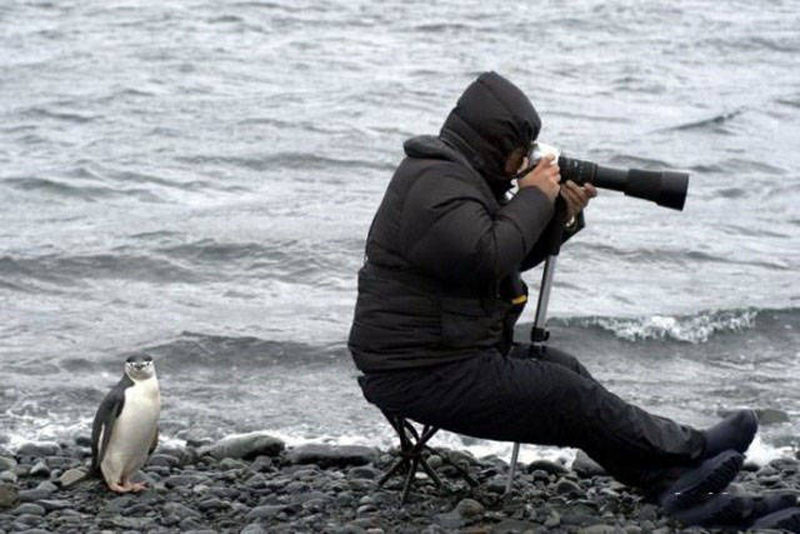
412	444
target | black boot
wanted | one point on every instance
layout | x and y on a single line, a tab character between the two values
730	510
788	519
734	432
693	485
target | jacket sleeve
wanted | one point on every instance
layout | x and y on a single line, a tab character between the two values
539	251
447	230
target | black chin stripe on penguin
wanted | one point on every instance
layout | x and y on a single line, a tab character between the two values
491	118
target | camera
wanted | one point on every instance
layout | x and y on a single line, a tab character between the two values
665	188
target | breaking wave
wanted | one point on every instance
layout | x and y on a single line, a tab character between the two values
696	328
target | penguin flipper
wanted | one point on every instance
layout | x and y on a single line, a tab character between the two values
104	420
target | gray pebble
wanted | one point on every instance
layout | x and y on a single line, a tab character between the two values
7	463
180	510
366	509
568	488
29	508
34	495
163	460
245	446
213	504
547	466
469	508
264	512
55	504
9	496
40	469
184	480
71	477
330	455
38	450
598	529
366	472
48	486
553	520
586	467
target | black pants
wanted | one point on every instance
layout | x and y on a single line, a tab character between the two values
546	398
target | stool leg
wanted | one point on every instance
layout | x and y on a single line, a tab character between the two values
398	466
412	472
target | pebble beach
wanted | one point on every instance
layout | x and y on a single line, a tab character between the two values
253	483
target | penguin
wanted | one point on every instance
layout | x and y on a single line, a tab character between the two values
125	428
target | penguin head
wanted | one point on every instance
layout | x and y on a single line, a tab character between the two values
140	367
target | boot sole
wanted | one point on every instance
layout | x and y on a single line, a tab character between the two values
788	519
712	476
726	510
720	510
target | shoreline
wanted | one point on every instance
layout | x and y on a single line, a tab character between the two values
253	483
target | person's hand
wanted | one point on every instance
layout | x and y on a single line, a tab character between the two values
577	197
545	176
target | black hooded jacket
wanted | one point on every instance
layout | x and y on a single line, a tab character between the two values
441	279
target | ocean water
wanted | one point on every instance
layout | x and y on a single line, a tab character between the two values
196	180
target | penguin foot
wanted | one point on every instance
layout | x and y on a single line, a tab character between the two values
136	487
118	489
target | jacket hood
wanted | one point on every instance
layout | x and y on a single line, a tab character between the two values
491	119
430	146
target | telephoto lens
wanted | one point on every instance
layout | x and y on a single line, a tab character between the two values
665	188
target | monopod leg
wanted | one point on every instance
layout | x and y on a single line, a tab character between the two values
538	339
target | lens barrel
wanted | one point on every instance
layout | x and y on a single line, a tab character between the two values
665	188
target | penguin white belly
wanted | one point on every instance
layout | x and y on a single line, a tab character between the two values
133	432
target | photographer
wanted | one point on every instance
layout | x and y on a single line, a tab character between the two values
440	292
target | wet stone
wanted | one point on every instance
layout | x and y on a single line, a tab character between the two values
513	526
40	469
71	477
469	508
568	488
59	461
38	450
179	510
163	460
183	480
54	504
246	446
553	520
9	496
332	456
598	529
46	485
262	464
231	463
366	509
585	467
7	463
366	472
34	495
771	416
29	508
497	484
213	504
549	467
265	512
310	495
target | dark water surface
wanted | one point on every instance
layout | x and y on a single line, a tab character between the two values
196	181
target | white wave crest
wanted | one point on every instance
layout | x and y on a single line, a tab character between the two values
692	328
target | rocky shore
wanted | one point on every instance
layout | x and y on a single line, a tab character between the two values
253	483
